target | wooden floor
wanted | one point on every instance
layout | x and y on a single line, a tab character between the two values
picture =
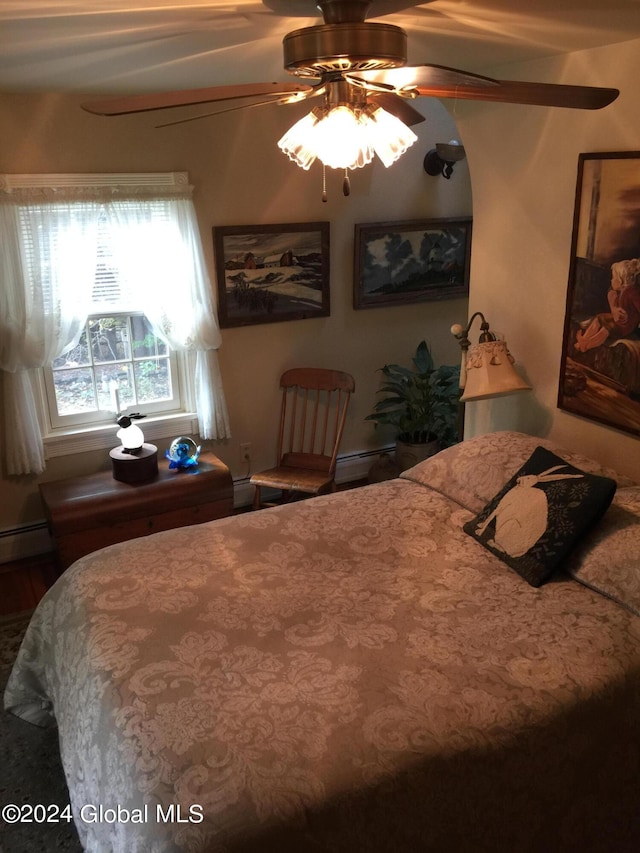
24	582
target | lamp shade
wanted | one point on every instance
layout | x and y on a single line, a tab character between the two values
490	372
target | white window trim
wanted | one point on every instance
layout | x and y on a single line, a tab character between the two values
97	417
104	438
65	441
51	181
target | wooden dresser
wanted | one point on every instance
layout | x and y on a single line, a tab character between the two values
87	513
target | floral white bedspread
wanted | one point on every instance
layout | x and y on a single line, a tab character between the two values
348	673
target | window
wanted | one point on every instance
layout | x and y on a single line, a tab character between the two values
118	363
105	289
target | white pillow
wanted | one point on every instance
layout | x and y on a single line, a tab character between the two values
473	471
608	560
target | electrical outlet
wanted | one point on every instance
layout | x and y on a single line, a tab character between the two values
245	453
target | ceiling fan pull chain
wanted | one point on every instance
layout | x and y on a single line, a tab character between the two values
324	183
346	184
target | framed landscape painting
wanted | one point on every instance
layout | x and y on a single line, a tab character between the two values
415	261
600	364
270	273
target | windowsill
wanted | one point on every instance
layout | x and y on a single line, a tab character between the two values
68	442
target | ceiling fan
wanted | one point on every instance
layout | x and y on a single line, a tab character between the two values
359	67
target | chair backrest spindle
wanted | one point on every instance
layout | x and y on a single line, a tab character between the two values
341	416
314	423
283	420
325	424
303	421
292	416
314	409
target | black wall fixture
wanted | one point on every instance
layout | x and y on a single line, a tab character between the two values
441	159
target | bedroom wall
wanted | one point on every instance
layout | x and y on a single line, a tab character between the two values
242	178
523	162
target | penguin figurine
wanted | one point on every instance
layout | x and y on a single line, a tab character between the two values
130	435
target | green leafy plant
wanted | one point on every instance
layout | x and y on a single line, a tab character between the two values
421	401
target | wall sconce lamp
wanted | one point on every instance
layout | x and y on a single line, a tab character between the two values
441	159
487	367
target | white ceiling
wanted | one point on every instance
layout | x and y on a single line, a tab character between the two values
115	46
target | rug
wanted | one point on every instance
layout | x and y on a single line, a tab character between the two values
30	768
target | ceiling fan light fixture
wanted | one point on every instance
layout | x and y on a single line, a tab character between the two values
389	135
354	46
344	137
298	142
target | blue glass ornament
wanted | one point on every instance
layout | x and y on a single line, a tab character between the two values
183	453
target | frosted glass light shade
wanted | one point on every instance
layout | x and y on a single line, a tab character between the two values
346	138
342	139
298	141
390	136
490	372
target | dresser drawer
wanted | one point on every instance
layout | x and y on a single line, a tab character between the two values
88	513
72	546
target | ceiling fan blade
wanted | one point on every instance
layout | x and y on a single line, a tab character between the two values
540	94
188	97
309	8
220	112
313	92
397	106
380	8
409	79
438	81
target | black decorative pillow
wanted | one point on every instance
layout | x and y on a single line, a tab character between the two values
541	514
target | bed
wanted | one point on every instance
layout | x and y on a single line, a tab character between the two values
353	672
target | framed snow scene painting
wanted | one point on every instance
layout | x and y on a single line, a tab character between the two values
269	273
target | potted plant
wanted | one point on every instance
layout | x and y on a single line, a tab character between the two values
421	404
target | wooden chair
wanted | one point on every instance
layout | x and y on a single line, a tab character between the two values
312	417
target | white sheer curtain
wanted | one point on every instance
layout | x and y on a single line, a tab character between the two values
48	256
48	253
158	253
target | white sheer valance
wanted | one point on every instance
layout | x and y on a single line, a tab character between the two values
49	253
